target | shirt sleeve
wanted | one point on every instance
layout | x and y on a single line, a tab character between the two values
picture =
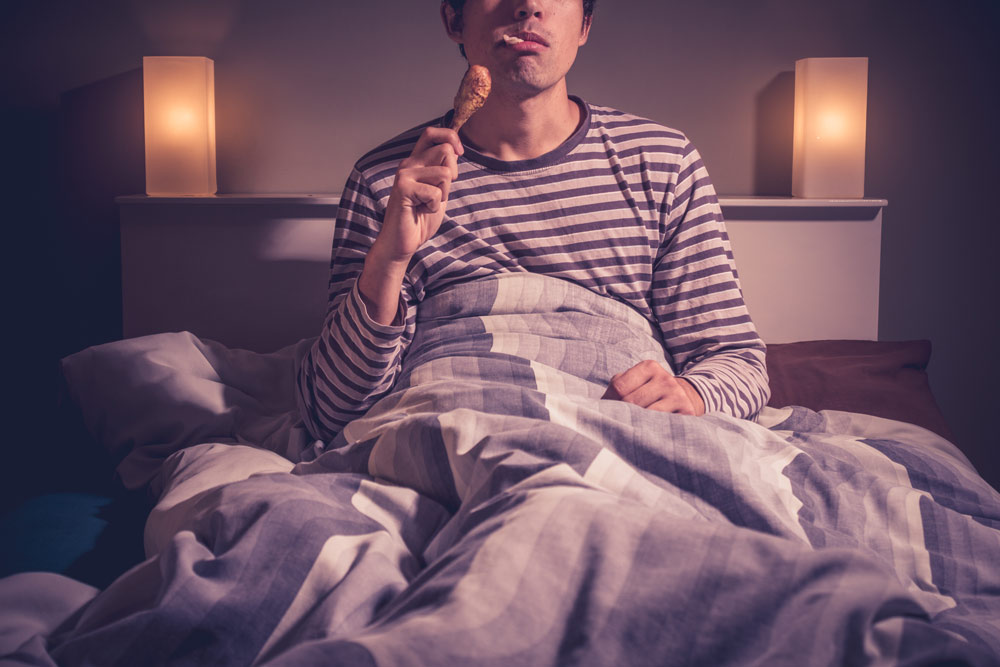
698	302
355	360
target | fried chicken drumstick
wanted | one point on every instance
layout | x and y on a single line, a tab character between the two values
471	95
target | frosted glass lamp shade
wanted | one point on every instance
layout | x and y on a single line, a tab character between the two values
831	105
179	108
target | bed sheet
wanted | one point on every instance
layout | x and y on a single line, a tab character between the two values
493	509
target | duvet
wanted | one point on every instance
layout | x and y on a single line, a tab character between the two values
494	510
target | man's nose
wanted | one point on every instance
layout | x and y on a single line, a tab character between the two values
528	9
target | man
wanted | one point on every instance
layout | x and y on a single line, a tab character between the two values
544	182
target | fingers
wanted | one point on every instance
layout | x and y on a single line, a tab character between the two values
421	187
425	197
433	137
411	180
440	155
625	383
675	404
665	395
649	385
434	160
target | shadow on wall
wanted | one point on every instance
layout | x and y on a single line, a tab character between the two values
250	276
100	154
71	161
775	111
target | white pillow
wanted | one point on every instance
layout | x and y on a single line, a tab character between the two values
144	398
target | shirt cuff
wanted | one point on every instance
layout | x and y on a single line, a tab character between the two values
703	386
383	333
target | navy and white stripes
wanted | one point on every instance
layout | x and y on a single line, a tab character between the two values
624	207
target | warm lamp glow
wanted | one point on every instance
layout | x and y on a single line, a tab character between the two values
831	105
181	122
179	106
832	127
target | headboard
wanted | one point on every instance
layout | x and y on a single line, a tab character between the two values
251	271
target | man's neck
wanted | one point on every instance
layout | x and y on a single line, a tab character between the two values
511	129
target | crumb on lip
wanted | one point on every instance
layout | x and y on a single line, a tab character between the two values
510	39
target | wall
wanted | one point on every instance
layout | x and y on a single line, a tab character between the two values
306	87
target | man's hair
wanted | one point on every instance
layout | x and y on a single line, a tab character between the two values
459	5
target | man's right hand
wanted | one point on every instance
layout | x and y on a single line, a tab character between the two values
413	215
419	194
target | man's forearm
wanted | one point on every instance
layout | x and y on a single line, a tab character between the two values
379	284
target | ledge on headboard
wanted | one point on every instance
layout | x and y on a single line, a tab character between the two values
800	209
801	202
322	199
327	198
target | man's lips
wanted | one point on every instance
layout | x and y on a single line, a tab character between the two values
522	37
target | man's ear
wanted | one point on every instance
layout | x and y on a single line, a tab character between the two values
452	22
585	30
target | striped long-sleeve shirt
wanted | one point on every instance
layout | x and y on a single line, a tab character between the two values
624	207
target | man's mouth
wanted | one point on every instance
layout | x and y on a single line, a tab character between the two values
523	36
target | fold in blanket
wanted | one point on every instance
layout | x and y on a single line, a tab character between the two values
493	509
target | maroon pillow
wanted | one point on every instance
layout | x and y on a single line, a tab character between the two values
882	378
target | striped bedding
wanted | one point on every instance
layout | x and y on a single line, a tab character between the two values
494	510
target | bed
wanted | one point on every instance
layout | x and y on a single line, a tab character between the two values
495	509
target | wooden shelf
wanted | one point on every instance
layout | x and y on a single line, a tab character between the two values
333	198
323	199
800	202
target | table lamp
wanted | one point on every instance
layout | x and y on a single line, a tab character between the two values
828	150
179	109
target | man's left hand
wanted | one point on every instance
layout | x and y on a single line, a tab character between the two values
650	385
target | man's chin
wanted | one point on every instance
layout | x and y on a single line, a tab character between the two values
525	81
